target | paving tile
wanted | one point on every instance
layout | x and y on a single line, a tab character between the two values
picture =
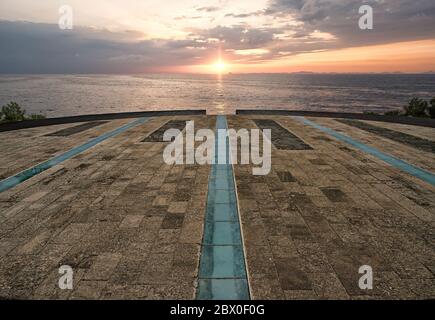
88	290
328	286
291	275
173	221
76	129
35	244
131	221
178	207
334	194
73	233
299	294
191	232
285	176
103	266
157	136
265	287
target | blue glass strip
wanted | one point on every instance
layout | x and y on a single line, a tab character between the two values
222	262
225	233
393	161
222	270
223	289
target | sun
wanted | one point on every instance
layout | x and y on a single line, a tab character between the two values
220	66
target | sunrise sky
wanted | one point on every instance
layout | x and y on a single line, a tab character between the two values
135	36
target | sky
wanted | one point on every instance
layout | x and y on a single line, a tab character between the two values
193	36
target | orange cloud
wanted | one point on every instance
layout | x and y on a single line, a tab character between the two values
414	56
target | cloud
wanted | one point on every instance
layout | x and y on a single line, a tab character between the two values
237	37
44	48
208	9
394	20
282	28
245	15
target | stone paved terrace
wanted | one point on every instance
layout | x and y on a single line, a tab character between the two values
131	226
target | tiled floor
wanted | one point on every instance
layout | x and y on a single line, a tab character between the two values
323	213
131	226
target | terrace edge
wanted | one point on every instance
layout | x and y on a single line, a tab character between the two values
422	122
10	126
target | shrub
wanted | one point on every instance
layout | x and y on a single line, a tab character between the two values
371	113
392	113
13	112
431	109
416	108
36	117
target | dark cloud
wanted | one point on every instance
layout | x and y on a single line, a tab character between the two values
238	37
241	15
245	15
208	9
394	20
44	48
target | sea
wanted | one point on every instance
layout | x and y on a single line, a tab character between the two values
68	95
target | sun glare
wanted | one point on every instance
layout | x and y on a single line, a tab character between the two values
219	66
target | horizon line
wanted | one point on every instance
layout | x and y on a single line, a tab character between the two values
216	74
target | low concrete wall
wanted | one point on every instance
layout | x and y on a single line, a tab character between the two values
93	117
423	122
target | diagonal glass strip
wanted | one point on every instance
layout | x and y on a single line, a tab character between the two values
12	181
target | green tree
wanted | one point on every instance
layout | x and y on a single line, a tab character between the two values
416	108
13	112
431	109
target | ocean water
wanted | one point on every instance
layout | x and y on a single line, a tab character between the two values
66	95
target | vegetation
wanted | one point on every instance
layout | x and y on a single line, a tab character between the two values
34	116
431	109
392	113
416	108
371	113
12	112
